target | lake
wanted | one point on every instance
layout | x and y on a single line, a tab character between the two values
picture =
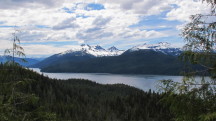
143	82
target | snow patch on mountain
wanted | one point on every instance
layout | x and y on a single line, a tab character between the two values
97	51
163	47
113	49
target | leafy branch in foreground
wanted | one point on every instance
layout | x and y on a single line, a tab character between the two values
16	50
200	35
193	99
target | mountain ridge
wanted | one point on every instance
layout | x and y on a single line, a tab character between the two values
163	47
137	62
30	61
96	51
142	59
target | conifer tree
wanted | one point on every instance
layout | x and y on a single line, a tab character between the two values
16	50
192	99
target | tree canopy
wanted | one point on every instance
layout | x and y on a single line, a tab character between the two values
194	99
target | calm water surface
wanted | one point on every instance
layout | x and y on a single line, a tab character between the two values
144	82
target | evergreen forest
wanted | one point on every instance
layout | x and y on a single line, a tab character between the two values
28	96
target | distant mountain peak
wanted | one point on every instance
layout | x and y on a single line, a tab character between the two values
84	45
163	47
113	48
160	45
97	47
97	51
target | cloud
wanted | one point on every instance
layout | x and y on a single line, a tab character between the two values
107	21
186	8
100	21
32	36
143	7
65	24
7	45
44	50
14	4
58	19
95	29
137	34
93	34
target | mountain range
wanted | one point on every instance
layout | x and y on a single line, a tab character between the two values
163	47
96	51
29	61
160	58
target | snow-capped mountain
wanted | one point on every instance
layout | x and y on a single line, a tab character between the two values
80	53
163	47
96	51
84	53
113	49
143	59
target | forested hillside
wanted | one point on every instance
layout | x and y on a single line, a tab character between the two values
55	59
28	96
137	62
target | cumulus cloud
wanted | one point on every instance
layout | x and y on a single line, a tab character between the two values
14	4
44	50
186	8
100	21
84	21
141	34
93	34
143	7
68	23
7	44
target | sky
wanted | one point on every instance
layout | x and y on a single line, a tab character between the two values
52	26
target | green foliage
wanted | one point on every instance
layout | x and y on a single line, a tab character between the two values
45	99
208	117
190	102
16	103
192	99
200	37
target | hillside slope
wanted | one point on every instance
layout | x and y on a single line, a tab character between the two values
36	97
136	62
78	54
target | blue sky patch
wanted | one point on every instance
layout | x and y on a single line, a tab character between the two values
81	16
42	26
156	20
5	26
67	10
175	6
94	6
2	22
157	23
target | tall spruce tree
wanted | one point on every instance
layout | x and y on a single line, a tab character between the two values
195	99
